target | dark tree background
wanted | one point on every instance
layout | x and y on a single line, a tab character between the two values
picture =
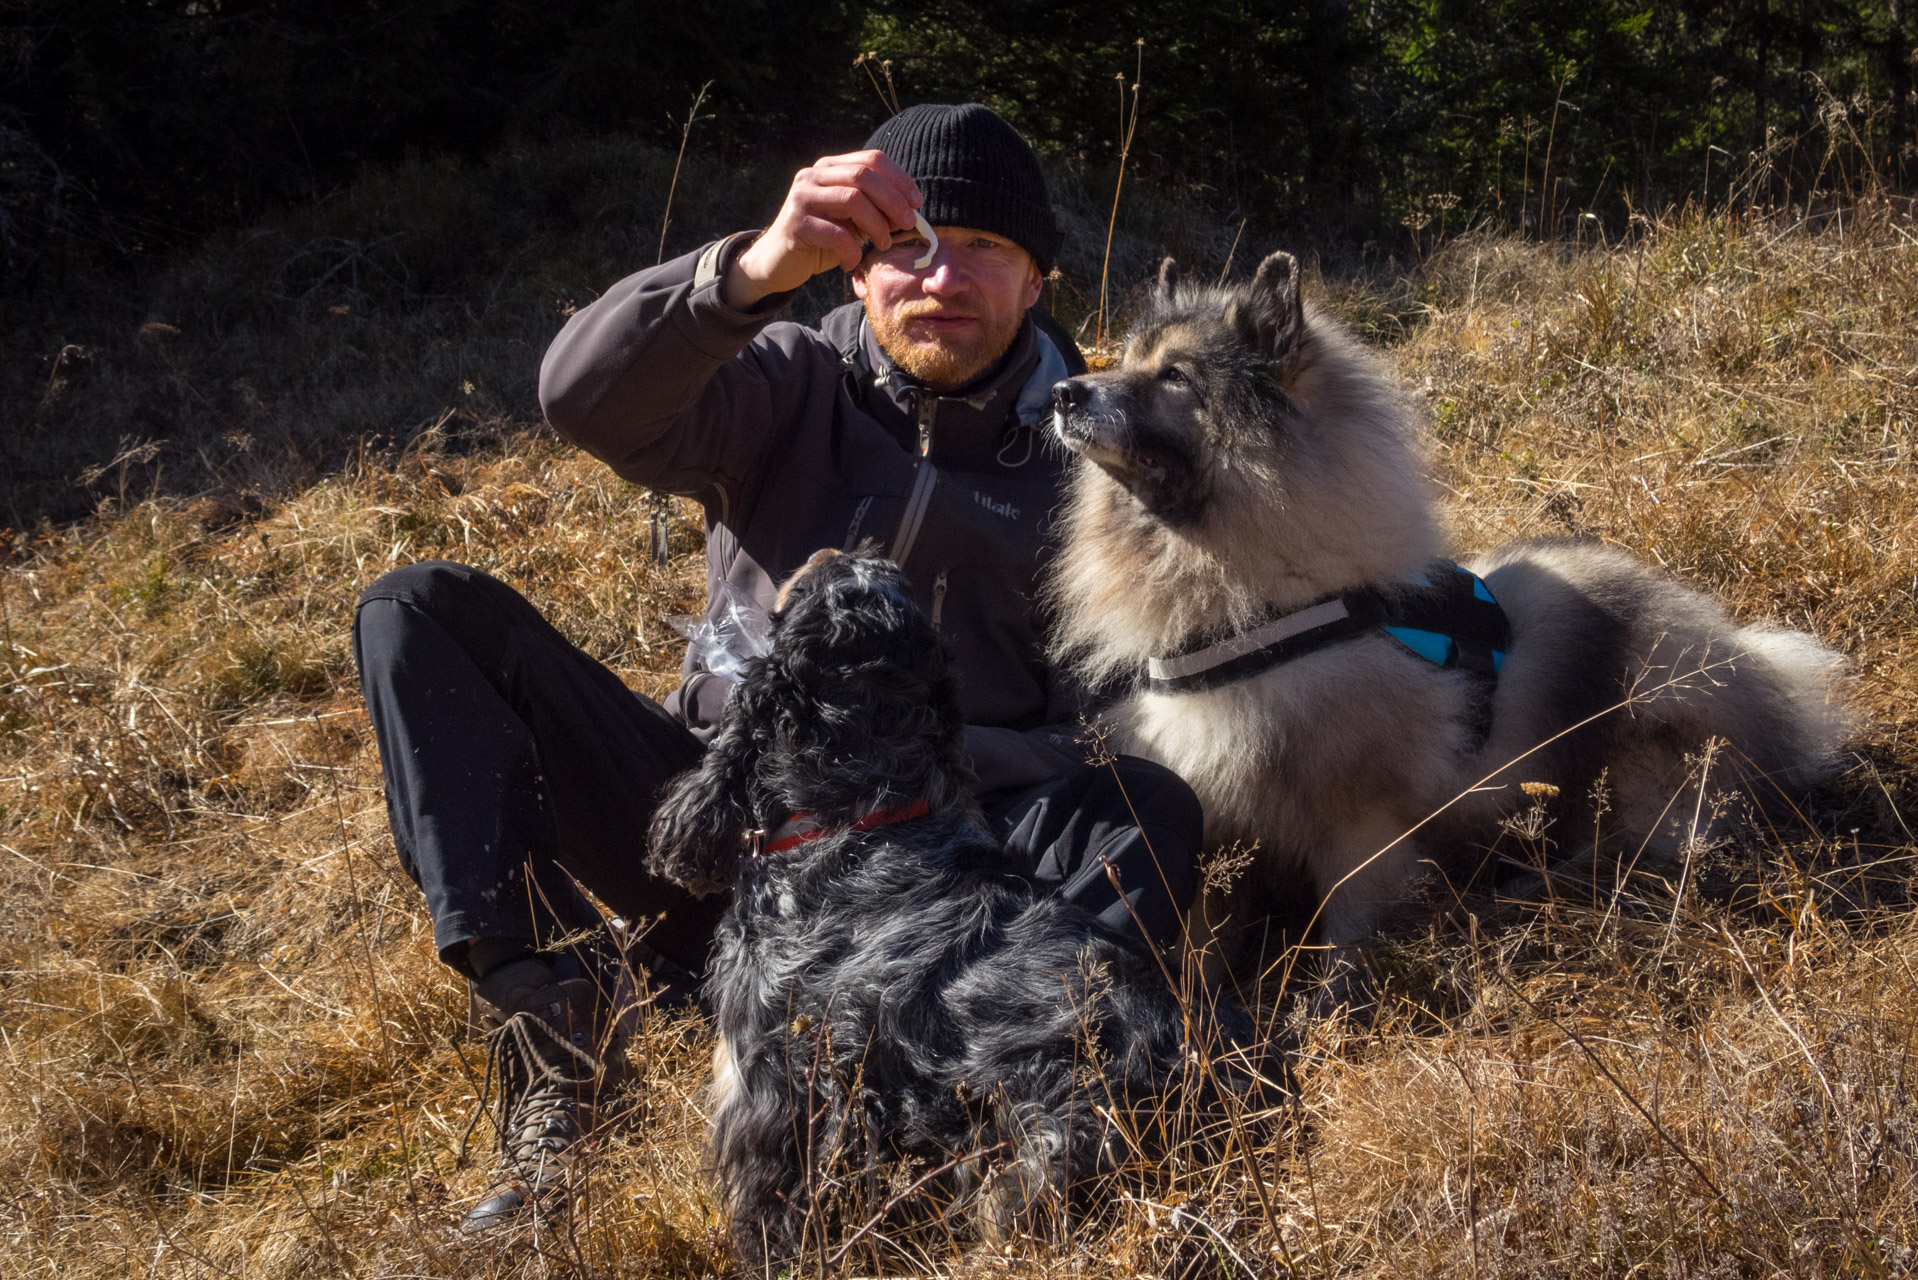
139	123
244	242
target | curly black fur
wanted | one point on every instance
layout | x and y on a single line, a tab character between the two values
894	997
852	711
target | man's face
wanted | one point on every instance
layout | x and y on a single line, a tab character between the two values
949	322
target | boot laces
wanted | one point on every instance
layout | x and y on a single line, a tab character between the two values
546	1086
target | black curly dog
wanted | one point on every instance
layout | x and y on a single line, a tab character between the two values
890	1000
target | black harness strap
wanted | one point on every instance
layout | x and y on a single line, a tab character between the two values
1453	605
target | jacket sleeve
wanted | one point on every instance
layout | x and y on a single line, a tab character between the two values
672	388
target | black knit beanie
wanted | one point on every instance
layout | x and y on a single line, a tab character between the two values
975	171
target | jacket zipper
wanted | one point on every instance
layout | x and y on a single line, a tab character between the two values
925	409
938	598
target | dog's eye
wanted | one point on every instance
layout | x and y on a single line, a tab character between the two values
1174	375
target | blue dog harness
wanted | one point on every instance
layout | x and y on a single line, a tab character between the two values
1448	618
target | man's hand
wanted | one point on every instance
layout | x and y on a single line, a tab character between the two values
833	209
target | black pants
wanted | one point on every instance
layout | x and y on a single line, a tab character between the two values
516	765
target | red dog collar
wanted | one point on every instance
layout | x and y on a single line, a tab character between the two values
801	828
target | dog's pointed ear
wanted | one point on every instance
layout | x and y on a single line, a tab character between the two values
1271	314
1168	278
699	831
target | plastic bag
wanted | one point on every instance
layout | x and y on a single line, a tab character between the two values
723	638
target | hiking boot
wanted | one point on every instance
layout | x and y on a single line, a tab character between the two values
559	1056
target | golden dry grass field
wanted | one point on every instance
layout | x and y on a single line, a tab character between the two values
227	1049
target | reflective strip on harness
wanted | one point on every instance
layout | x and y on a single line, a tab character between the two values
915	512
1261	637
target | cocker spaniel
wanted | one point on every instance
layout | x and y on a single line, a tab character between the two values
903	1022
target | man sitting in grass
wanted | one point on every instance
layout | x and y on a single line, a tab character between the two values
518	769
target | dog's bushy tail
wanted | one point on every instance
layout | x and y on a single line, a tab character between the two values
1806	679
1653	670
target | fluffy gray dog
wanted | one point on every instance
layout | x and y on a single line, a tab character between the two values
890	998
1253	558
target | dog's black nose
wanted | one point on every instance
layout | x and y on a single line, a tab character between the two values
1069	394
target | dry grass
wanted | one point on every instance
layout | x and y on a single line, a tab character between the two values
227	1049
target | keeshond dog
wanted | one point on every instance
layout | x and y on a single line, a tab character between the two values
1252	557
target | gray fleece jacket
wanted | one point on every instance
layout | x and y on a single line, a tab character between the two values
795	439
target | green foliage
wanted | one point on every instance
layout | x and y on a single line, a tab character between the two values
1533	112
1352	118
138	122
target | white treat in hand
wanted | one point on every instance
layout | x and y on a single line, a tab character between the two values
932	241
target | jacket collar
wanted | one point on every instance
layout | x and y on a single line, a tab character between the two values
973	423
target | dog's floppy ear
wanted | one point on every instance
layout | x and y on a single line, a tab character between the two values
1270	315
699	830
1168	279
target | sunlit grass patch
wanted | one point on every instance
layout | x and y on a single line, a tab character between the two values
230	1050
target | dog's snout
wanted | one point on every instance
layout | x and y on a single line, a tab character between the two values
1069	394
